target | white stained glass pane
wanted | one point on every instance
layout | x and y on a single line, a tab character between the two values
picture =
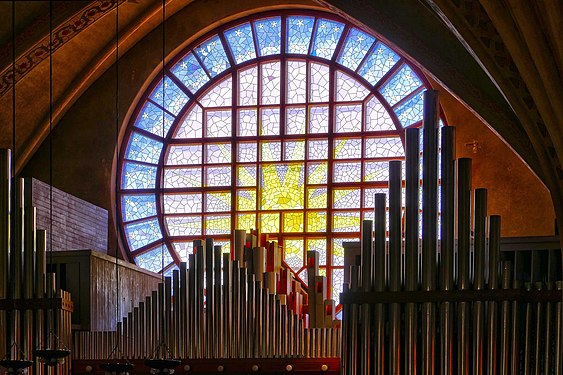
318	120
218	123
270	151
296	81
369	196
270	124
348	118
338	250
270	88
184	225
317	149
247	122
220	95
248	86
184	155
348	89
182	203
218	153
337	287
383	147
218	176
295	121
294	150
218	201
319	85
346	198
247	152
347	172
182	177
376	171
348	148
377	117
192	124
183	249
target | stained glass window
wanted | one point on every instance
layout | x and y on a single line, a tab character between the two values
284	123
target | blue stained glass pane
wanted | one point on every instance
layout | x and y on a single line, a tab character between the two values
145	149
379	61
213	56
134	207
174	98
241	42
190	72
152	260
410	112
400	85
138	176
150	119
142	233
268	35
356	46
327	35
299	31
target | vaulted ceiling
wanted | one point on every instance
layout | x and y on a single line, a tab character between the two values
501	58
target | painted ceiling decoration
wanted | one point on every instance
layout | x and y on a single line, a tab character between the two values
61	35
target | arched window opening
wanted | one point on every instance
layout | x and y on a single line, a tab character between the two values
281	122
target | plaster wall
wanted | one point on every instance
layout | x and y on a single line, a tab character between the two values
514	191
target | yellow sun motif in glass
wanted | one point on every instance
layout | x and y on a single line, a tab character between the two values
218	224
283	186
293	222
270	223
346	221
246	221
246	175
317	173
316	221
246	200
317	197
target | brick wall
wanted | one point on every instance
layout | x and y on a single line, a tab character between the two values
77	224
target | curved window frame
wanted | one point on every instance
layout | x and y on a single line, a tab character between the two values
204	79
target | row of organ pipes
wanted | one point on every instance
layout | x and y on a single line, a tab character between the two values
216	307
34	312
441	303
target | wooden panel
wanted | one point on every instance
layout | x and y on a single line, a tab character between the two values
90	277
76	224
